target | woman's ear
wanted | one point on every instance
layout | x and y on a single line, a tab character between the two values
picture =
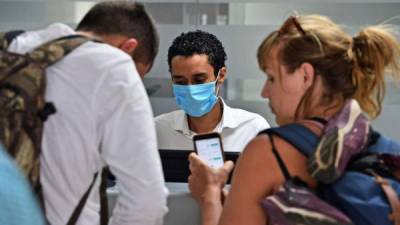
308	74
129	45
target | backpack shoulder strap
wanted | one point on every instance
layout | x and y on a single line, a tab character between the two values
7	37
383	145
103	200
78	209
52	51
297	135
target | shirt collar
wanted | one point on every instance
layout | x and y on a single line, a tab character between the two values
228	120
29	40
180	122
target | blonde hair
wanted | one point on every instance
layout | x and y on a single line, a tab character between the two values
349	67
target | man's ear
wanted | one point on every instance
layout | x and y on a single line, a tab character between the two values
222	75
308	74
129	45
221	79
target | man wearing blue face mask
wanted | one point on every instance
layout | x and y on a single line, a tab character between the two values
197	65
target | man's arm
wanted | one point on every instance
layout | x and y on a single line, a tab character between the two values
129	148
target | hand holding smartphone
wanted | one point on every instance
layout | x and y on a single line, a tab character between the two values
209	148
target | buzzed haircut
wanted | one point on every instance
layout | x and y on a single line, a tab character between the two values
125	18
197	43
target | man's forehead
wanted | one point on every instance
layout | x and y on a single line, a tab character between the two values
195	58
195	64
192	75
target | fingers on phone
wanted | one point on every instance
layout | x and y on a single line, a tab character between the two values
228	166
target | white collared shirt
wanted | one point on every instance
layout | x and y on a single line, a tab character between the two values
237	127
103	118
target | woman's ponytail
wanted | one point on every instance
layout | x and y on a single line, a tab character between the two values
375	51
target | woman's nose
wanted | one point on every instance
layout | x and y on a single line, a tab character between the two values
265	91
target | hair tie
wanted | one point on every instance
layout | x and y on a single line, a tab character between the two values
358	45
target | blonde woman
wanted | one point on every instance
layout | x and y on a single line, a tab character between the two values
313	67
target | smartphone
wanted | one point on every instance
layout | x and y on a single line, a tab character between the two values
209	148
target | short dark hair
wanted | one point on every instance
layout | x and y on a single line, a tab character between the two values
199	42
125	18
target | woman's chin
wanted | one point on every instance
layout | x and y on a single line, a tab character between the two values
283	121
279	121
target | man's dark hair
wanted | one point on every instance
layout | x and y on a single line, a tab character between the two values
199	42
125	18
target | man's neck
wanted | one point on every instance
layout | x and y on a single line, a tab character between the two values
109	39
208	122
87	34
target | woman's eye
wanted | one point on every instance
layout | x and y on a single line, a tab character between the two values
270	79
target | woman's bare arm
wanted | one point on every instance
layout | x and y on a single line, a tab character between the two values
256	175
206	186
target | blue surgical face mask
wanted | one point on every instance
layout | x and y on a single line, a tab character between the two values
196	100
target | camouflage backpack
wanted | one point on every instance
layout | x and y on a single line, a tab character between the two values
23	108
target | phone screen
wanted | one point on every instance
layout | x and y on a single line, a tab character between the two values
210	150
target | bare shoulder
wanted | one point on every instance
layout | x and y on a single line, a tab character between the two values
258	156
256	166
294	160
258	174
